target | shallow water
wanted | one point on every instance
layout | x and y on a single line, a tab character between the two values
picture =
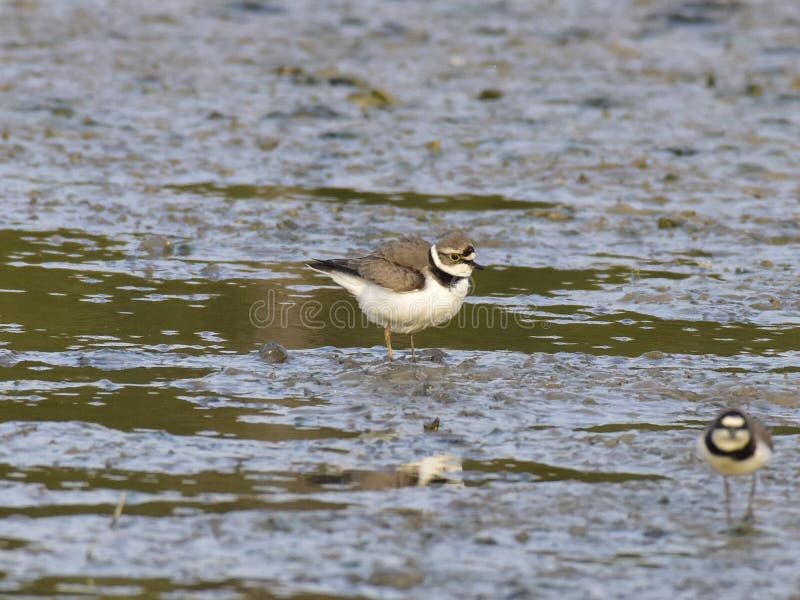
628	172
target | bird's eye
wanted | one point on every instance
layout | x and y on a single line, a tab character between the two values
455	257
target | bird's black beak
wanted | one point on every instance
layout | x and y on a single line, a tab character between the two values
477	266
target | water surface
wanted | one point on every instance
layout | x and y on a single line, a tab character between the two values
628	172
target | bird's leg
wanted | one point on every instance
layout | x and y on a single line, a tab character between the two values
749	515
727	498
413	354
387	335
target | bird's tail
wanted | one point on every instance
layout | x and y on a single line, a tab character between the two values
334	265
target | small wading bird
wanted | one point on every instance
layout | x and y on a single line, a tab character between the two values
407	285
736	444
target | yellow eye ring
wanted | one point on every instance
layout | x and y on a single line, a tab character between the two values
455	257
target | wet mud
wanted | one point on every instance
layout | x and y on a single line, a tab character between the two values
186	410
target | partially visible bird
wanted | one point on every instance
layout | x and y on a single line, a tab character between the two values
736	444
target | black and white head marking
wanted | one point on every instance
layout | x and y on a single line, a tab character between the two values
730	436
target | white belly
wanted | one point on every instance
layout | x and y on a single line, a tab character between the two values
409	312
728	466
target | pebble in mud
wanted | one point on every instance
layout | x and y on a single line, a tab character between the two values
431	425
211	271
436	355
156	246
8	358
273	353
403	578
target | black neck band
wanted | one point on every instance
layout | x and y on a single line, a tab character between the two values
741	454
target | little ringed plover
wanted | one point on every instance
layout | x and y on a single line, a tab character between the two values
407	285
736	444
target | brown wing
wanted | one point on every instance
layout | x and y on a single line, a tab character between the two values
388	275
760	431
407	251
397	265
